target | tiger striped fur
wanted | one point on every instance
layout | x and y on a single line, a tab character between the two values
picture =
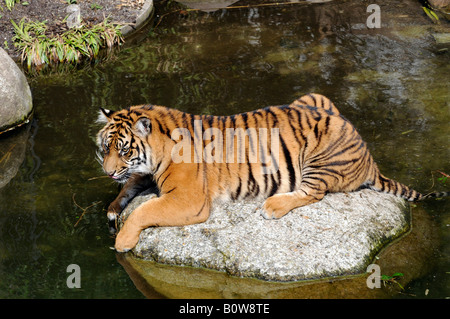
319	152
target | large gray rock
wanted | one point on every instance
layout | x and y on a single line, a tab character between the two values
141	18
337	236
15	95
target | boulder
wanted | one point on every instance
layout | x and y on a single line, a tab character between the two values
141	18
15	95
412	255
337	236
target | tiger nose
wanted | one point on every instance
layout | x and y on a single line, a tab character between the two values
111	174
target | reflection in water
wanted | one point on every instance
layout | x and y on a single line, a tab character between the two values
392	83
36	160
12	153
208	5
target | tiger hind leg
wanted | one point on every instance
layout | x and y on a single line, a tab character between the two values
278	205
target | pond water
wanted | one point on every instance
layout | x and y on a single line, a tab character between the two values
391	82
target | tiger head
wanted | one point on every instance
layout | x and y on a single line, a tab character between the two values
123	146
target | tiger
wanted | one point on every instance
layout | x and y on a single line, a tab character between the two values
289	155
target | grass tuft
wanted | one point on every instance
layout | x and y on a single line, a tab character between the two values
39	48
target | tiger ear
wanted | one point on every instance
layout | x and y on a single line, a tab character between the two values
104	116
143	126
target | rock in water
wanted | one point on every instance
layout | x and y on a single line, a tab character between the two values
337	236
15	95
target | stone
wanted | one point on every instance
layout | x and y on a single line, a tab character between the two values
412	255
337	236
142	17
74	18
15	94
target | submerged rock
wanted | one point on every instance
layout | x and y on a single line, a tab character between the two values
15	94
337	236
411	255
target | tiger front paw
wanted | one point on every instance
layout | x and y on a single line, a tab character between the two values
274	208
112	216
114	210
126	240
113	219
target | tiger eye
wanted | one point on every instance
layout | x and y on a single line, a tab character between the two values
125	150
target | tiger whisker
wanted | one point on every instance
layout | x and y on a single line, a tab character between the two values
97	177
99	157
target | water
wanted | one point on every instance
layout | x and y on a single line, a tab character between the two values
392	83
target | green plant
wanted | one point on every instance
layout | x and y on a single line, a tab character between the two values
392	279
430	13
38	48
443	178
11	3
95	6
